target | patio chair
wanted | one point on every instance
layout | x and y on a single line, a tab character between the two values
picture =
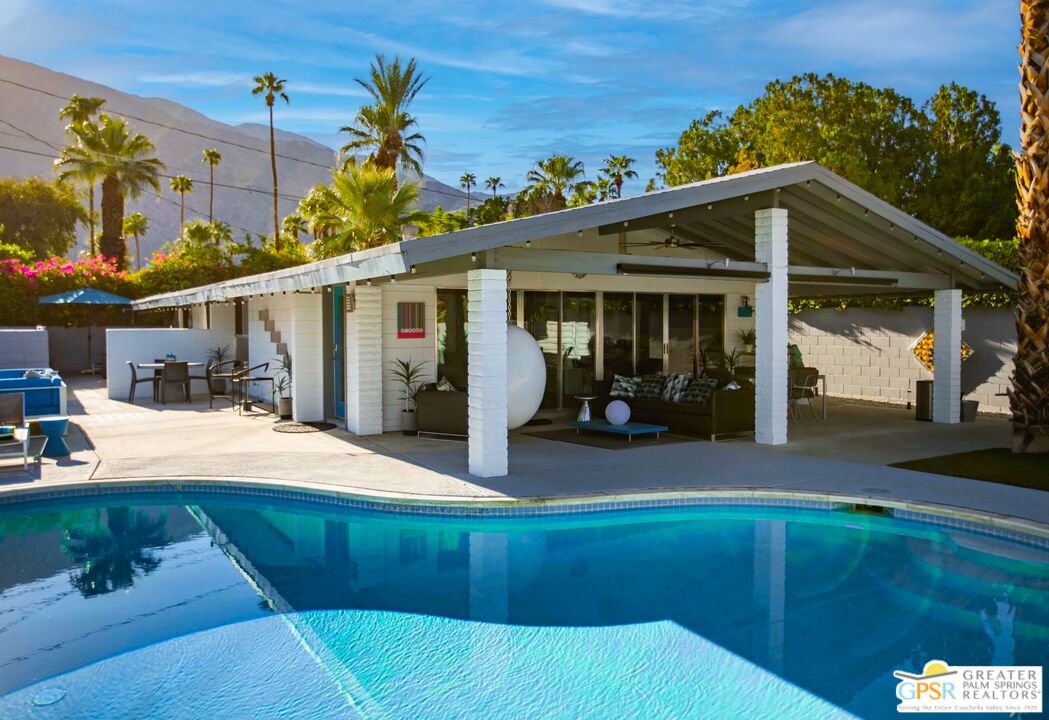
246	376
224	371
803	388
157	374
135	380
12	412
174	374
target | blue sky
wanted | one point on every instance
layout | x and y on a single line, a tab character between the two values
514	82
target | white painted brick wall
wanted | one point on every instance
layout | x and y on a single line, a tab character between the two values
364	360
486	366
306	347
947	380
770	247
418	350
883	338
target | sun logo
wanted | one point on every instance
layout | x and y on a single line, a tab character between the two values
933	684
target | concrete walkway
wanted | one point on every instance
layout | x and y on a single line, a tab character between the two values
115	441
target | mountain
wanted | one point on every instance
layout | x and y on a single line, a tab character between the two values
29	121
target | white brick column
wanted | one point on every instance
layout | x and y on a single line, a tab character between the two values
770	323
486	315
305	345
364	362
947	357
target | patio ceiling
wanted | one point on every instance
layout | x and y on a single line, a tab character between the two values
843	240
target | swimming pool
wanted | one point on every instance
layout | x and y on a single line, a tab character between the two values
224	604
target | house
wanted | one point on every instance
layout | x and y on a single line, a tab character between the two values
633	284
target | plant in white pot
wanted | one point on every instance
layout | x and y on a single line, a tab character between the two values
282	386
748	337
409	376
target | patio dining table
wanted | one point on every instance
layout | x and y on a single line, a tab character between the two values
160	366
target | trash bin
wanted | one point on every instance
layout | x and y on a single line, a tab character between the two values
923	400
969	408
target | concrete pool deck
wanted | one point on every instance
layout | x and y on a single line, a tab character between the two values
842	459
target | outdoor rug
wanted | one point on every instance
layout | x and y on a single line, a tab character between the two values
608	441
294	427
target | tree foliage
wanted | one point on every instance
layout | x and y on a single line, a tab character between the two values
39	216
943	162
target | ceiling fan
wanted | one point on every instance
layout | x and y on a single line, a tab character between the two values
673	241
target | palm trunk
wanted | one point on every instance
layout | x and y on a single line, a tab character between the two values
138	254
211	196
181	213
273	167
1029	394
91	218
112	243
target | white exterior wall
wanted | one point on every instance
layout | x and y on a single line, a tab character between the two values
364	360
24	348
143	345
866	354
770	311
199	315
417	350
305	341
224	318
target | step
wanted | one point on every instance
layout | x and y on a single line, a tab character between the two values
282	348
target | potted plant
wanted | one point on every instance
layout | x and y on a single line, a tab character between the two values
282	386
731	362
409	376
216	355
748	337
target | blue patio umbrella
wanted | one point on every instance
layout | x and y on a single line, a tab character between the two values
85	296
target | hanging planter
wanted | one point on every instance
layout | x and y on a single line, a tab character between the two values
923	350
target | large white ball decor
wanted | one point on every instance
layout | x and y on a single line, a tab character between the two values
526	376
617	412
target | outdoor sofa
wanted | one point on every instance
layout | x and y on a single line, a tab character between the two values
44	394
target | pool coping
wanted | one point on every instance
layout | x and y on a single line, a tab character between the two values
986	522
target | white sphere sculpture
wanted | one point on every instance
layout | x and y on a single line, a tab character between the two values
525	376
617	412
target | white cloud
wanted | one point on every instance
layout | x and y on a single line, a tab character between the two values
225	79
653	9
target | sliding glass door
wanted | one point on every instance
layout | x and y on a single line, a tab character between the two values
542	313
681	333
578	345
618	318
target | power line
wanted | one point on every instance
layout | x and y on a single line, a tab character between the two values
208	137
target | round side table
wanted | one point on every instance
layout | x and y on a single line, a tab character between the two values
584	411
54	427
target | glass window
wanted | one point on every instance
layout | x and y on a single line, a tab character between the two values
618	317
711	324
578	324
542	321
451	337
681	339
649	352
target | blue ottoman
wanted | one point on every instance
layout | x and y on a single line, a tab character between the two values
54	427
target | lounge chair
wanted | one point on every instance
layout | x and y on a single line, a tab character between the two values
12	412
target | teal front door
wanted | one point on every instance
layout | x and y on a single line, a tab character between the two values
338	330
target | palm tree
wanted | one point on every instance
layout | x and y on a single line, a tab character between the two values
311	208
1029	394
467	182
136	225
82	110
493	184
271	87
553	177
294	225
124	160
182	185
212	158
110	557
618	168
363	207
385	129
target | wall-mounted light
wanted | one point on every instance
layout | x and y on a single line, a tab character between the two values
473	257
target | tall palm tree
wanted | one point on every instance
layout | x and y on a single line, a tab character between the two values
124	160
618	168
311	208
386	129
81	110
182	185
554	176
363	207
271	87
493	184
467	182
136	225
1029	394
212	158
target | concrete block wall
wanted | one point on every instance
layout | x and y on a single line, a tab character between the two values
260	347
143	345
866	355
24	348
415	349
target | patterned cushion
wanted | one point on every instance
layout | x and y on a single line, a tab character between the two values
699	391
675	386
651	387
624	387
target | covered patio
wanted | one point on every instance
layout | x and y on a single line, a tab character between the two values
653	282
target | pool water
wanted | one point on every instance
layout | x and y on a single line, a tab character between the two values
195	606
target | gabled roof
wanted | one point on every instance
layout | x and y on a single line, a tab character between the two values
832	222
